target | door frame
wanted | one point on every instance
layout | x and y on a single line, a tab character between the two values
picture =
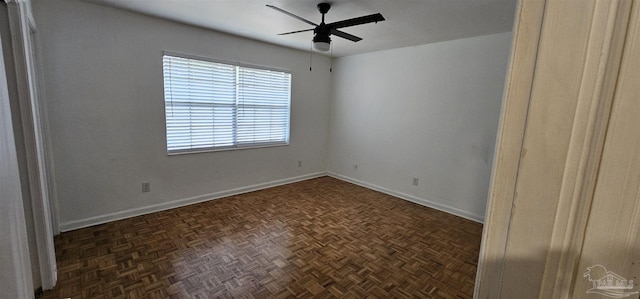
537	23
22	28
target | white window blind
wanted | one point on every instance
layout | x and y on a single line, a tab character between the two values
213	106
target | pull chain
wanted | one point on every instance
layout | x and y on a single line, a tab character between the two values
310	55
331	60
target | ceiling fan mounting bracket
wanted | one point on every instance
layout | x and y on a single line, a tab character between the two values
324	7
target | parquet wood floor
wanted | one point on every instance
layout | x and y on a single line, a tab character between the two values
321	238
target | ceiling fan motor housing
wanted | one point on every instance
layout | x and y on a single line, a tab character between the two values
321	38
321	42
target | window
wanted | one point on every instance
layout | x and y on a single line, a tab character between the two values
216	106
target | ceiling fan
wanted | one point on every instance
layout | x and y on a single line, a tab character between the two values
322	31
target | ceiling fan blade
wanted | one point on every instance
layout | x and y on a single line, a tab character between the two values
345	35
292	32
357	21
292	15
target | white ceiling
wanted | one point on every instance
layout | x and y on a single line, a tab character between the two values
408	22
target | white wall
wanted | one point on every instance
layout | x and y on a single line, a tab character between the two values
102	69
429	112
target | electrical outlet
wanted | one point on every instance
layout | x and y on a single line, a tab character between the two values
299	163
635	272
146	187
415	181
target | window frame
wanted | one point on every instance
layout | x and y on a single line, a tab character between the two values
235	146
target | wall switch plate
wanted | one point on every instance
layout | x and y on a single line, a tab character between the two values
415	181
146	187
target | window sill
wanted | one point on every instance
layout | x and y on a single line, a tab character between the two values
223	149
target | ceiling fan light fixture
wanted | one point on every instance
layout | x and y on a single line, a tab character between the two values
322	43
321	46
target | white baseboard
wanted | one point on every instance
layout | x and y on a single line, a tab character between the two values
421	201
91	221
76	224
